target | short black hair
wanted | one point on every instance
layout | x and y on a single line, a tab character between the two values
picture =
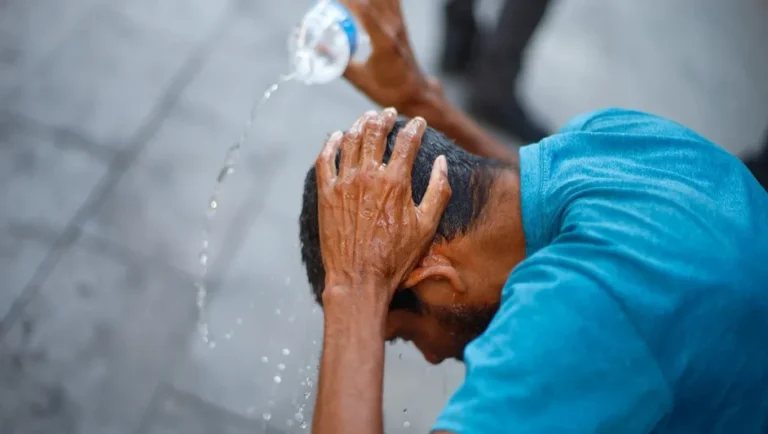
470	178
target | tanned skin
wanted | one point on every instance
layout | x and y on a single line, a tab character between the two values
371	233
372	236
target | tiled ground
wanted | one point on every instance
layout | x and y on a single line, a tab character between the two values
114	118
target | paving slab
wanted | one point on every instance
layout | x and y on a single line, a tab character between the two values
178	412
43	182
90	349
104	80
700	63
31	31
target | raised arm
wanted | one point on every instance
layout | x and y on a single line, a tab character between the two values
392	78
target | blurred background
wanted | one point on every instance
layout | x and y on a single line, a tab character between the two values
114	119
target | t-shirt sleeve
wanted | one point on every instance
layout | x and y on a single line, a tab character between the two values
559	357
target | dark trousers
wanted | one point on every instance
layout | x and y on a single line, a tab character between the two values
501	55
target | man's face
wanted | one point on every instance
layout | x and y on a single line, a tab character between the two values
439	331
442	312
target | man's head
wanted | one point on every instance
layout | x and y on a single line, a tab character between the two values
453	293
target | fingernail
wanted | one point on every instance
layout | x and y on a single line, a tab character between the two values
390	111
358	125
416	123
371	113
336	135
443	163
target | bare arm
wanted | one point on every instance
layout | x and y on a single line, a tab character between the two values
371	237
350	388
442	115
392	78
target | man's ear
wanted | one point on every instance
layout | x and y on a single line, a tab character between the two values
435	267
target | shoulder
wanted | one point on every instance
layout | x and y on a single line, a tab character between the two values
639	169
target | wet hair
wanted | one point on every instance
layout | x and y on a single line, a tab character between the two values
470	178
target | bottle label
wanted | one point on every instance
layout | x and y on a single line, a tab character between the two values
348	25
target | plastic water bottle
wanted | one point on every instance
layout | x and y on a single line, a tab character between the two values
325	42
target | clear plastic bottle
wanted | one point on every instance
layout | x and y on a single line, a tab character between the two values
324	43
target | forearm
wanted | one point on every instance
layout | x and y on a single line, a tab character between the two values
350	388
444	116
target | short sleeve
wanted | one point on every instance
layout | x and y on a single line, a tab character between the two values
559	357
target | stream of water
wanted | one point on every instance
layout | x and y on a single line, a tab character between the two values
230	160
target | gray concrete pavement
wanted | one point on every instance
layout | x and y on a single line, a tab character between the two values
114	119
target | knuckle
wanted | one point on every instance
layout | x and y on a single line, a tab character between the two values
376	124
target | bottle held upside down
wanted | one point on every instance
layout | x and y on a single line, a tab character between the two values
325	42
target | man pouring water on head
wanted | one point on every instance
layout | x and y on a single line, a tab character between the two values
612	278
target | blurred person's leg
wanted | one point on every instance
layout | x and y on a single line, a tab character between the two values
494	98
461	36
758	163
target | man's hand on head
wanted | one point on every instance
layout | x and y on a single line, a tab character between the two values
372	235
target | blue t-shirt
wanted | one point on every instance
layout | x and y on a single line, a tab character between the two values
642	305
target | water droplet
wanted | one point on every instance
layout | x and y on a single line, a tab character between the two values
225	171
400	356
289	422
266	416
314	342
286	351
287	281
299	417
307	394
212	345
405	410
203	259
277	379
303	425
214	204
239	321
281	366
278	311
406	424
291	318
228	336
264	359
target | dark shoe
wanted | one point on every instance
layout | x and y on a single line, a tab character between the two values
509	117
461	38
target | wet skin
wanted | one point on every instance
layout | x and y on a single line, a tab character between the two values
375	241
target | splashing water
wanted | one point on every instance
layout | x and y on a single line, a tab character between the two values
230	159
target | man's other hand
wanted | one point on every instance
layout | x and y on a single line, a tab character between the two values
391	76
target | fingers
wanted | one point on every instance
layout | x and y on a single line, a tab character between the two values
382	20
438	192
350	146
325	166
407	147
375	138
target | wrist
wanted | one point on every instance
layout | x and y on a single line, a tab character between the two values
350	307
